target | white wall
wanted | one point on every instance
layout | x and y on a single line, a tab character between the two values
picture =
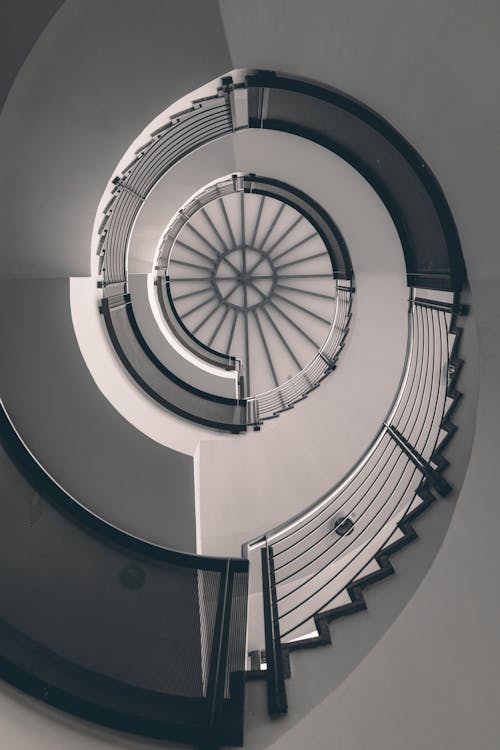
85	114
253	482
431	69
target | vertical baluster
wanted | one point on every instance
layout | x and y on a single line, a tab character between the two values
276	691
218	660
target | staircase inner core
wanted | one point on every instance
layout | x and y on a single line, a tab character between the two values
250	276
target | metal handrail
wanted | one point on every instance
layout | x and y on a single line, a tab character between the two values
205	120
308	564
269	403
203	700
287	526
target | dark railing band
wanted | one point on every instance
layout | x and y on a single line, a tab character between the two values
276	691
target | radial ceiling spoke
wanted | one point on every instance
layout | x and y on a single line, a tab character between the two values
242	220
194	250
266	276
189	265
282	339
294	324
231	278
284	234
311	293
304	309
231	333
295	246
306	276
214	228
204	239
266	348
205	319
198	279
228	223
271	227
280	335
231	292
218	327
193	294
202	304
257	222
300	260
251	282
245	312
247	349
226	260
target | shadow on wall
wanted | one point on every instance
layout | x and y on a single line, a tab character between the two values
91	450
317	673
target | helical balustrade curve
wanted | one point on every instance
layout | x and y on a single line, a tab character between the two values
220	282
182	676
207	119
269	101
315	564
111	628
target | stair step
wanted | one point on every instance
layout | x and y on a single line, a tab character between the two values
340	600
449	401
306	637
395	536
372	567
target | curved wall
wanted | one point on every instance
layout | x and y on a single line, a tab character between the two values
261	479
87	446
430	69
299	472
432	680
75	107
22	22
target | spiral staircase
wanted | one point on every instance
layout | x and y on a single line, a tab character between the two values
230	288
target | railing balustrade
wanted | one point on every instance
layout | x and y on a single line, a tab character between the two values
207	119
312	559
267	405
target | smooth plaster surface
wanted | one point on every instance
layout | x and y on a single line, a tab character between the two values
22	22
80	81
430	67
82	441
252	483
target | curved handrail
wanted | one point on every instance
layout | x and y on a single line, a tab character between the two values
284	527
205	120
312	564
208	409
178	328
358	509
270	403
71	507
168	663
281	397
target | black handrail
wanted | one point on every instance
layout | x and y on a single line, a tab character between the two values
276	691
179	137
168	664
382	155
280	397
315	565
195	345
